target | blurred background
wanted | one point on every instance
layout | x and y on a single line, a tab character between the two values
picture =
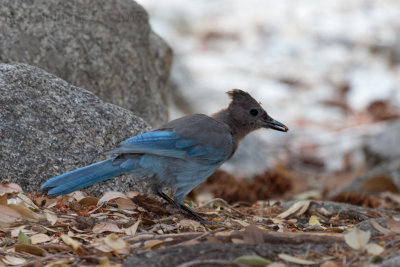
329	70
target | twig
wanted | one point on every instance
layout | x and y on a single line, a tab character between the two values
224	203
43	259
169	218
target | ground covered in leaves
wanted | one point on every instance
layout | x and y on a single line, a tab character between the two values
133	230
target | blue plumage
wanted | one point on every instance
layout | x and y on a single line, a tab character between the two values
182	153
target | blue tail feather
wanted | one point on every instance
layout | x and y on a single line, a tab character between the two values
79	178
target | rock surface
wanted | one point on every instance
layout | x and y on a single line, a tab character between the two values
383	177
106	47
48	127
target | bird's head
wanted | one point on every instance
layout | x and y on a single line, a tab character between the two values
246	111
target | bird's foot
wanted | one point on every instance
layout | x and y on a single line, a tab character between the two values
187	210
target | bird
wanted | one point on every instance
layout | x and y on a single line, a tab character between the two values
182	153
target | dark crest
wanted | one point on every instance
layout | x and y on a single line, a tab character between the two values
241	96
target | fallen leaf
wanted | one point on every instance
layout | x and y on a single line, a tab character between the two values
374	249
393	225
25	212
292	259
299	208
16	230
110	195
132	194
311	194
10	188
314	220
357	239
104	262
189	224
78	195
10	260
8	215
132	229
51	218
27	201
329	264
242	223
114	242
237	241
380	228
31	249
125	204
276	264
106	227
152	244
252	260
23	238
3	199
88	201
40	238
71	242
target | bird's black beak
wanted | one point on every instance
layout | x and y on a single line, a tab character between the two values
274	124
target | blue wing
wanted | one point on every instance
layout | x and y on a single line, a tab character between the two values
170	144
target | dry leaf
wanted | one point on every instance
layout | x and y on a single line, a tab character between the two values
106	227
78	195
10	188
132	229
15	231
25	212
125	204
31	249
276	264
237	241
374	249
103	262
393	225
152	244
114	242
23	238
3	199
110	195
88	201
314	220
71	242
40	238
51	217
242	223
380	228
28	201
253	260
299	208
357	239
189	224
132	194
8	215
292	259
329	264
10	260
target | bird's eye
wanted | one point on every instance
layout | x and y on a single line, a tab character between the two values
253	112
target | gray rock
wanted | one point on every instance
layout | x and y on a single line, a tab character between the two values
48	127
106	47
383	177
384	146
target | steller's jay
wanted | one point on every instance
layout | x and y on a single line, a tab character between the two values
182	153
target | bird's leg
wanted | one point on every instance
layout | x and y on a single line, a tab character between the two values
184	208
